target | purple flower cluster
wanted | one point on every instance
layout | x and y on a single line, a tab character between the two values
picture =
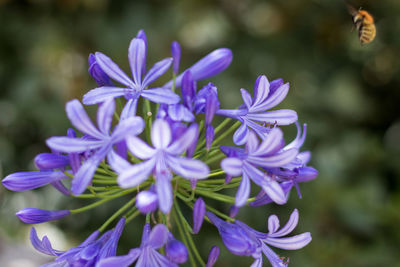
169	155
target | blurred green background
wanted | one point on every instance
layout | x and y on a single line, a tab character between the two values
348	95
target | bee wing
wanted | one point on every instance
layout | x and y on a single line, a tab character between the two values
351	9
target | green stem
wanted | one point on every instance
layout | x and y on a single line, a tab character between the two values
183	238
226	133
222	125
117	213
131	217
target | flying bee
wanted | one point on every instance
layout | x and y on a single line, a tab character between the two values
364	23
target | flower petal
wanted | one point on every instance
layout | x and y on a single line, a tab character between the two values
156	71
241	135
161	95
179	146
164	191
274	191
161	134
79	118
130	126
101	94
212	256
139	148
120	261
32	215
158	236
273	224
137	58
199	210
129	109
261	90
272	142
188	168
105	115
290	243
136	174
275	160
176	55
278	117
117	163
289	226
252	143
243	191
232	166
246	98
71	145
112	70
43	245
272	100
85	173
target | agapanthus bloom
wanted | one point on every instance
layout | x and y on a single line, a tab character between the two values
135	87
99	140
253	113
243	240
266	154
88	253
161	160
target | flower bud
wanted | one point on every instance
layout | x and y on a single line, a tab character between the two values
212	256
97	73
32	216
176	56
21	181
235	238
49	161
176	250
199	210
146	201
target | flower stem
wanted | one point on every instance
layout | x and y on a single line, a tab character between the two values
226	133
117	213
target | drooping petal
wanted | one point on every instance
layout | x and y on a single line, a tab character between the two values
21	181
243	191
160	95
101	94
161	134
32	215
97	73
279	117
188	168
208	66
85	174
179	146
232	166
273	224
129	109
136	174
79	118
72	145
156	71
290	243
130	126
139	148
289	226
112	70
43	245
137	58
240	136
164	191
104	116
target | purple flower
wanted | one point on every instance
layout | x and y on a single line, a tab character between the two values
160	160
21	181
97	73
243	244
87	253
49	161
31	215
294	172
254	111
268	154
212	256
175	250
176	56
136	87
210	65
98	140
147	254
199	210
